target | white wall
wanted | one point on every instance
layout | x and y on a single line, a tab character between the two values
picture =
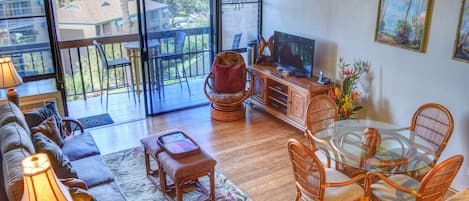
402	80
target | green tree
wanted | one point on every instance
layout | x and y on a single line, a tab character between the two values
186	8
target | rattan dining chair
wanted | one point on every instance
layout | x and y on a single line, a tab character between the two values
432	187
315	182
321	112
434	123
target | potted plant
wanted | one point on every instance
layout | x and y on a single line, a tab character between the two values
346	95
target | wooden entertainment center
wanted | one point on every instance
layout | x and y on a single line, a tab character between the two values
286	98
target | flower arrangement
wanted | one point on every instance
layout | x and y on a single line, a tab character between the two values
346	95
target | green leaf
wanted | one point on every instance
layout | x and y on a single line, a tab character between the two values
357	108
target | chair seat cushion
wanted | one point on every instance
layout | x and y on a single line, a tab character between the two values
349	192
93	171
226	97
80	146
385	192
118	62
187	166
150	142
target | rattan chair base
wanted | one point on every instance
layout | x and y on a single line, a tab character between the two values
230	115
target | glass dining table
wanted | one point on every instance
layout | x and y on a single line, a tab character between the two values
374	146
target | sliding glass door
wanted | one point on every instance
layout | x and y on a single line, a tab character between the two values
177	52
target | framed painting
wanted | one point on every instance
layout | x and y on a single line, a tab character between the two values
461	45
404	23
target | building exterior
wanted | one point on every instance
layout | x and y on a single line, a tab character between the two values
90	18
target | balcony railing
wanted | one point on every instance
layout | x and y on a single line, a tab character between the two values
82	69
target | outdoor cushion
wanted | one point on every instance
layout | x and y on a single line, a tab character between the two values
229	78
107	192
59	161
93	170
13	174
349	192
386	192
49	128
80	146
13	136
9	112
226	97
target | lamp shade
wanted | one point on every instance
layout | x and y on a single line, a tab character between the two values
40	182
8	75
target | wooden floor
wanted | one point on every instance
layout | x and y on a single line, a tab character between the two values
252	152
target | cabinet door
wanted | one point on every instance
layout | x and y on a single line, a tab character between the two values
258	92
297	106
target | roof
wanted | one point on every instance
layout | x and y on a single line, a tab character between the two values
98	11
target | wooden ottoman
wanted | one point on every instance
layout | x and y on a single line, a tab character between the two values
152	149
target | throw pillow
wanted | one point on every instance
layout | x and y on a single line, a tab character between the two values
49	128
229	78
59	161
74	182
79	194
48	110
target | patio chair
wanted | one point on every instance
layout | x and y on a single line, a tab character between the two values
435	123
164	60
321	112
314	182
225	86
432	187
107	65
236	41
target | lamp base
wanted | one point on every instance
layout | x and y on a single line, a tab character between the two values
13	96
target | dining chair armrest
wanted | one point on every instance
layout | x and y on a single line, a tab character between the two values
393	184
345	183
324	143
72	125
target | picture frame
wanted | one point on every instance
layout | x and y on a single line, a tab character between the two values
404	24
461	43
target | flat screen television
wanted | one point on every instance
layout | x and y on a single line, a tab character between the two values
294	54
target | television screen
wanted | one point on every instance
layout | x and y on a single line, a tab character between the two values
294	53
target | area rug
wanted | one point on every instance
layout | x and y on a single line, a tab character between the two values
128	167
97	120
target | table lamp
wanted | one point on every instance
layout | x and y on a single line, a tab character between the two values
9	78
40	182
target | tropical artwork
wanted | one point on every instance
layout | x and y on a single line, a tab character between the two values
461	48
403	23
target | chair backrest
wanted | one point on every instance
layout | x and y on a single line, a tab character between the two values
102	53
308	170
236	40
321	112
436	182
434	123
179	39
229	58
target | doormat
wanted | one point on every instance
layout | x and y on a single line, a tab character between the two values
97	120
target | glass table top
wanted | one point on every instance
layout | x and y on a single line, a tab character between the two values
393	149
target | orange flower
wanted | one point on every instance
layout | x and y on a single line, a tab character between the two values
356	95
337	92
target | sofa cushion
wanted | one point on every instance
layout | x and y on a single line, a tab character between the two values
80	146
49	128
107	192
9	112
3	194
13	174
59	161
48	110
93	171
13	136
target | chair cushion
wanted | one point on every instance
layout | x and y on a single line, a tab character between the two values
38	116
13	136
49	128
349	192
13	173
385	192
229	78
93	171
80	146
150	142
59	161
187	166
9	112
226	97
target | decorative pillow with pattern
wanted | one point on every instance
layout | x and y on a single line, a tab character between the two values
49	128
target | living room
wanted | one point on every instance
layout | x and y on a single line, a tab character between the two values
252	153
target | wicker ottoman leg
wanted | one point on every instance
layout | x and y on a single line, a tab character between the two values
212	184
179	191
